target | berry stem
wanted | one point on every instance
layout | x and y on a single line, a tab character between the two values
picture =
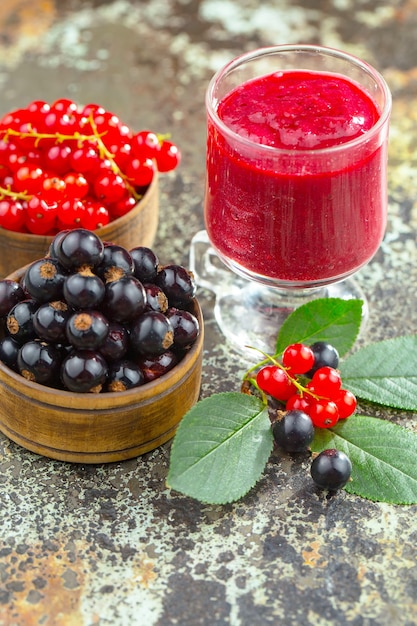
7	192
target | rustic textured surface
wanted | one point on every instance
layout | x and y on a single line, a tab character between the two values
110	545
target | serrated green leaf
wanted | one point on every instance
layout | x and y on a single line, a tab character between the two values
221	448
383	456
384	372
334	320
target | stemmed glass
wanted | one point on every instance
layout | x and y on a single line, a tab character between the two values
296	185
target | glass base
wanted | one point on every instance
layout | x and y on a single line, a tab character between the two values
250	314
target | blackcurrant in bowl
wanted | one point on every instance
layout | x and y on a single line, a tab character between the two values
108	426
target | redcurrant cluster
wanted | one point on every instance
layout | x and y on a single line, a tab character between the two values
308	381
309	386
92	316
64	166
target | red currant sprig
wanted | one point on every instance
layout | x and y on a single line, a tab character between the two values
322	397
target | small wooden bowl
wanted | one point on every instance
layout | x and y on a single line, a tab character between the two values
104	427
136	228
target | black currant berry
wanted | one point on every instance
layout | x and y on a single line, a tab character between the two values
177	283
185	325
294	432
50	319
10	294
116	263
151	334
84	371
9	349
331	469
87	330
39	362
156	299
324	355
124	300
83	289
53	248
79	247
124	375
154	367
19	322
146	264
44	280
116	344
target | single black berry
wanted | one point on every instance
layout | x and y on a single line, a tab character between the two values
84	371
185	325
324	355
116	262
178	284
19	322
124	374
146	264
156	299
116	344
83	289
9	349
154	367
10	294
294	431
44	280
87	329
151	334
79	247
331	469
39	362
50	320
124	299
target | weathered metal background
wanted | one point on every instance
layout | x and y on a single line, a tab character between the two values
110	545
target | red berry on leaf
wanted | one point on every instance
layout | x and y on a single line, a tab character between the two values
324	413
298	358
298	402
326	382
346	403
274	381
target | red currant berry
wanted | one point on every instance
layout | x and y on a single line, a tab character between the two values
76	185
326	382
85	159
70	213
28	178
96	215
118	209
110	187
298	358
53	189
145	144
323	413
12	214
140	172
274	381
41	217
346	403
168	157
298	403
57	158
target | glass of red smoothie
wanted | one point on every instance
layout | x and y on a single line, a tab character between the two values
296	187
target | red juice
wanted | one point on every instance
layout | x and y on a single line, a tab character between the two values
296	185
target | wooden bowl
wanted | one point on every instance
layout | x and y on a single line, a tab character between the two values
136	228
104	427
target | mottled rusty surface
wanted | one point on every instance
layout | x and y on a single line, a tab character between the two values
111	545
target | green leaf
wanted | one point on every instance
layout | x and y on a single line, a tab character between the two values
334	320
221	448
383	456
384	372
